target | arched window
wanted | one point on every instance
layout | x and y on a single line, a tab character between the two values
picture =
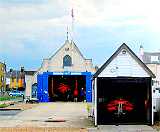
67	61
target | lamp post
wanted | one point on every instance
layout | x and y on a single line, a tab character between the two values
11	77
22	76
4	78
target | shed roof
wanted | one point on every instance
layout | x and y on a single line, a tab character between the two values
147	57
124	46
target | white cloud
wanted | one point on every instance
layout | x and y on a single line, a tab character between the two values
111	13
47	21
107	12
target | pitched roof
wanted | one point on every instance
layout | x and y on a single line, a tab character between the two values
59	49
67	41
72	42
29	72
147	57
124	46
18	73
14	73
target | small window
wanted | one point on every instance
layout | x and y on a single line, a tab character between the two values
123	51
67	61
154	58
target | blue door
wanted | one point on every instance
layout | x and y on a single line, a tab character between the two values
45	88
88	88
42	87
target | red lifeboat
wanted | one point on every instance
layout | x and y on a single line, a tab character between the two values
114	105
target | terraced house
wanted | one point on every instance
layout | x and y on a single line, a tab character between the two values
2	76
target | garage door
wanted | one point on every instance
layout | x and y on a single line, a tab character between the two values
123	100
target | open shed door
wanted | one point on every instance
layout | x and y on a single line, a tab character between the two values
40	87
123	100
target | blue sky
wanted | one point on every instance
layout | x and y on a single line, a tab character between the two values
31	30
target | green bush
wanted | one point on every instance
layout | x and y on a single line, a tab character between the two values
3	98
3	105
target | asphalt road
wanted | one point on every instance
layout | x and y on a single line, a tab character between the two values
9	112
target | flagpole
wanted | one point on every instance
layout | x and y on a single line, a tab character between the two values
72	15
72	26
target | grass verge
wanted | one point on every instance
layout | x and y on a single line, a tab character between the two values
3	105
4	98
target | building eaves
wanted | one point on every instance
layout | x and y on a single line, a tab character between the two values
124	46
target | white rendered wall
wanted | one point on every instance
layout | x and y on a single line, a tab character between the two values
55	62
124	65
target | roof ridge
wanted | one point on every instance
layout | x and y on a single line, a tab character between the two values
116	53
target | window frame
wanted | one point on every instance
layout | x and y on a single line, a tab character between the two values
67	61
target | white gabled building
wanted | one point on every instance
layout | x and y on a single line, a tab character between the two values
123	90
152	60
67	59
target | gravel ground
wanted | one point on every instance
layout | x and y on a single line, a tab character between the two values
22	106
156	126
55	114
59	117
32	129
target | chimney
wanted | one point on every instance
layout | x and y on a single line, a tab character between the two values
141	52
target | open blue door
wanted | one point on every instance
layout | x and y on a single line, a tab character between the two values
45	88
40	87
43	84
88	88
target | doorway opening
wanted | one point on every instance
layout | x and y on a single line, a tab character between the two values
124	100
67	87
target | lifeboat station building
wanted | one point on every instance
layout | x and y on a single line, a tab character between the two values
65	76
122	90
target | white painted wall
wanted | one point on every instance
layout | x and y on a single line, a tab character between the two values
28	79
155	68
124	65
79	63
55	62
156	98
